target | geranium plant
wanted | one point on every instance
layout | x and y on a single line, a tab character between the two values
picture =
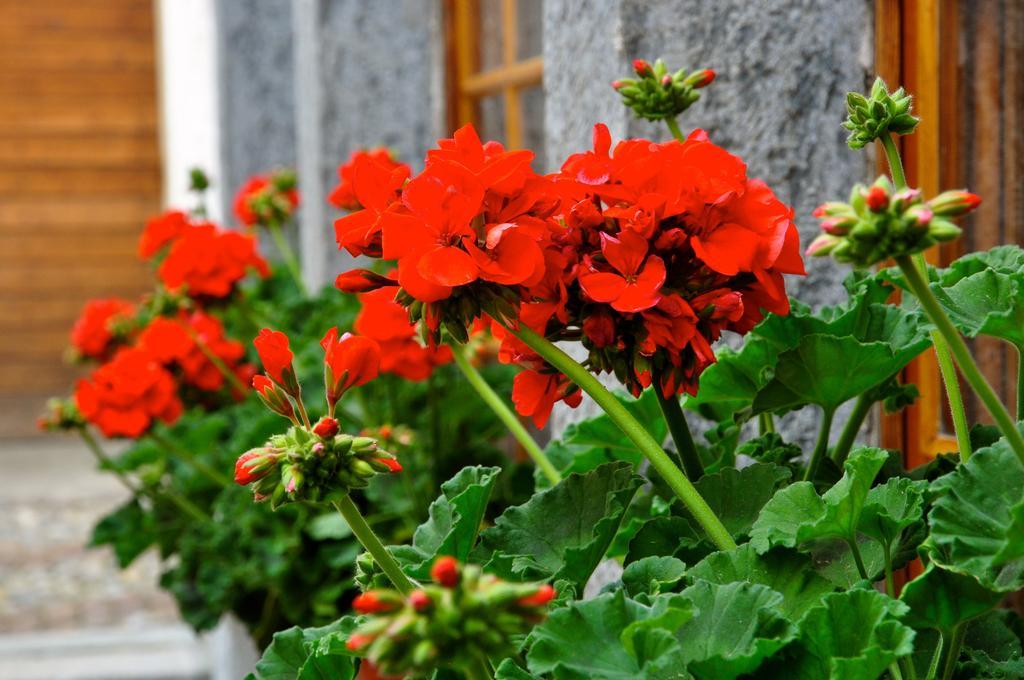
741	556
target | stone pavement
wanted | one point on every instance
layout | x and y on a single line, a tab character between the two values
66	610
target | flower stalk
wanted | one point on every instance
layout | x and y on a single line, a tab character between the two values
373	545
686	449
821	446
288	255
861	409
942	351
505	414
673	476
962	355
179	452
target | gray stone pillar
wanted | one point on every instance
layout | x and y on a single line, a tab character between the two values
257	104
367	74
783	67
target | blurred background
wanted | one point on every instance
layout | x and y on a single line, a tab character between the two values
106	104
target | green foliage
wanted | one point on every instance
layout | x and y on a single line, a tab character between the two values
309	654
562	532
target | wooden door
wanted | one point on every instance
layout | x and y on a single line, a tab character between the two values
79	173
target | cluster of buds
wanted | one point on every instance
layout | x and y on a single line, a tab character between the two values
268	200
312	462
877	114
879	223
321	465
61	415
656	94
463	619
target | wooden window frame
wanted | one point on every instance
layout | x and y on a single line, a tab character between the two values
909	35
468	84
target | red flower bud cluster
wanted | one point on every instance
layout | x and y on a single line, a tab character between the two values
125	396
93	334
202	260
344	196
267	199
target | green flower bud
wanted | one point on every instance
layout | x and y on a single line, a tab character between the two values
879	113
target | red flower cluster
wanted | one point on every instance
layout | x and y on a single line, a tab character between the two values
387	322
645	253
93	332
207	261
127	394
264	198
175	343
161	230
344	195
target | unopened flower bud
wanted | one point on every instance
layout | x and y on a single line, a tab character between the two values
254	465
943	230
445	571
822	245
876	198
831	208
920	215
543	595
642	68
599	328
376	602
420	601
361	281
272	396
838	226
386	464
326	428
364	444
618	84
362	468
666	80
954	203
699	79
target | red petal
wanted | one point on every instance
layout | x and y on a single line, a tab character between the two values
625	253
414	284
448	266
602	286
728	249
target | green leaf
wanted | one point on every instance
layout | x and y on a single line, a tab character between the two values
737	627
853	635
668	536
983	293
454	520
728	386
942	599
892	508
827	371
129	530
508	670
737	496
976	521
595	441
787	572
601	638
797	514
294	654
653	575
562	532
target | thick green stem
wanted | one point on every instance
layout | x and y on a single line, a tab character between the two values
942	351
183	504
506	416
629	425
677	425
821	446
861	409
968	368
765	423
948	372
673	127
855	549
369	540
288	255
890	584
894	671
177	451
953	653
892	155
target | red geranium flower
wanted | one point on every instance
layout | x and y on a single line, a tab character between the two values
345	196
208	261
376	186
263	198
126	395
387	322
276	357
160	231
637	284
175	343
534	394
92	333
349	362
